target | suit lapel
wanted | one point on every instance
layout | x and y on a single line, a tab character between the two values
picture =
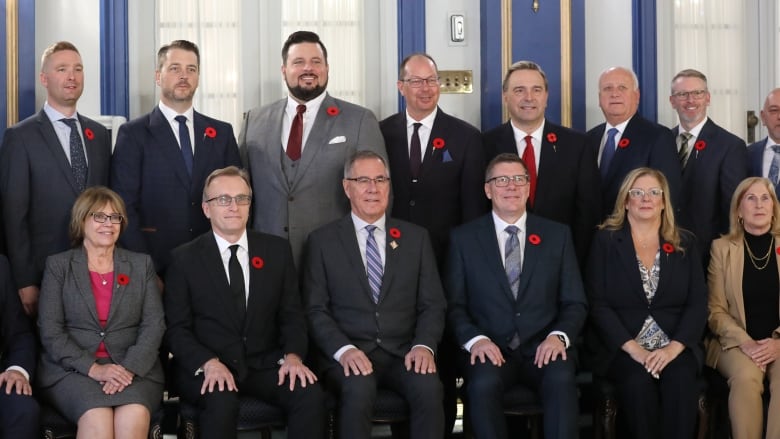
256	278
624	246
165	140
506	142
121	266
211	263
492	255
531	253
351	249
439	130
91	148
204	149
736	260
80	269
52	142
318	137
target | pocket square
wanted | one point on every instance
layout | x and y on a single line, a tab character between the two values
337	139
446	157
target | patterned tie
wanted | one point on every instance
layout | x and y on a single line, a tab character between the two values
237	281
685	152
530	161
774	168
373	264
415	152
609	151
78	161
512	259
185	143
295	142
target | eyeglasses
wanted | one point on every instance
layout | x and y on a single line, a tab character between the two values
503	180
696	94
365	181
640	193
418	82
100	217
226	200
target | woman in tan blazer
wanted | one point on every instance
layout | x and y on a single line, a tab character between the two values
744	307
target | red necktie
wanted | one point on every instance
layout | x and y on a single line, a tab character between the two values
296	134
530	161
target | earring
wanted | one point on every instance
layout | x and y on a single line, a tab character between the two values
741	221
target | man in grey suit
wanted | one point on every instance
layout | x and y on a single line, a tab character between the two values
46	161
375	305
294	148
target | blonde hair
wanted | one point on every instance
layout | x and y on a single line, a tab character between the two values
616	221
736	230
93	198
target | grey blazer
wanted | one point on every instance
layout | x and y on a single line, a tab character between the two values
315	197
68	323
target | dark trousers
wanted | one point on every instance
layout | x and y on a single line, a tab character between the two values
555	383
18	416
304	407
657	408
357	393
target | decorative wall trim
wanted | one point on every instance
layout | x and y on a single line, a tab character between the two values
11	62
644	53
411	32
566	75
114	55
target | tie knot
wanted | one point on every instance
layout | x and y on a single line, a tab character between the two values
370	229
512	230
686	136
300	109
612	132
69	122
233	249
417	126
528	140
776	148
181	119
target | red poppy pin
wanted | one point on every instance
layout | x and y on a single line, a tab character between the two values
778	250
534	239
210	132
89	134
624	143
395	233
122	279
552	138
258	262
668	248
438	143
332	111
700	145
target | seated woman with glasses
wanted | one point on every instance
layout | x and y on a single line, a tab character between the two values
744	303
101	324
648	299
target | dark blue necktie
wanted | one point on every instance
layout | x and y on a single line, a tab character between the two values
609	151
185	143
373	264
78	161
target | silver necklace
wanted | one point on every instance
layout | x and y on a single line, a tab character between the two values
102	279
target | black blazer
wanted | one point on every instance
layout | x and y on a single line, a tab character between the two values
18	340
649	144
338	298
567	187
480	301
148	172
37	186
201	315
755	153
450	188
618	303
709	180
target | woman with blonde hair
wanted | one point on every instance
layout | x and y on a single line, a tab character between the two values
648	309
744	308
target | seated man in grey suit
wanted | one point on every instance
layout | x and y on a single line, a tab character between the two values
516	303
375	305
295	147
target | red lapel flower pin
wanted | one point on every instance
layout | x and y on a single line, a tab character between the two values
258	262
668	248
122	279
438	143
395	234
89	134
699	146
534	239
552	138
210	132
778	250
624	143
332	111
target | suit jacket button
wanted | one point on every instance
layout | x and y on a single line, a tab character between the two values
411	203
517	314
286	229
102	334
291	198
379	340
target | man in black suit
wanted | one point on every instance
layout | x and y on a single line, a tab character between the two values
713	161
628	141
162	159
564	183
46	161
761	154
235	322
437	162
375	306
18	409
516	303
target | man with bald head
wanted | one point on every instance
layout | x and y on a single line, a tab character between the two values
627	141
762	155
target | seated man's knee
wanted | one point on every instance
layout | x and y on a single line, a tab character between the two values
483	380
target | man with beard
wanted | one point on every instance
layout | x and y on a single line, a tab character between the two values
162	159
295	148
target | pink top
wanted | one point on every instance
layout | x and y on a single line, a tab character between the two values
102	290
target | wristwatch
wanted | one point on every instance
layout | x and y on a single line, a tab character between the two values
562	339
